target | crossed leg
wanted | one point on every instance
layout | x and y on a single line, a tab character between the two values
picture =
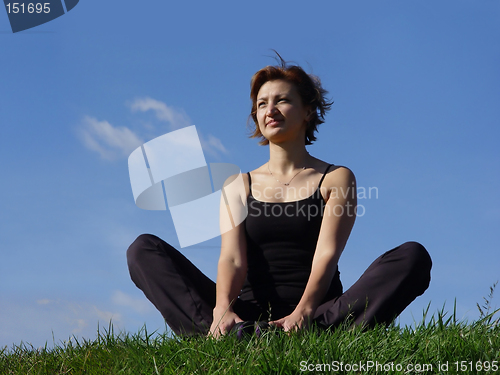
186	297
384	290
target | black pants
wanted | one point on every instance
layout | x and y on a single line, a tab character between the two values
186	297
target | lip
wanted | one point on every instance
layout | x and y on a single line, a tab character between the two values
273	122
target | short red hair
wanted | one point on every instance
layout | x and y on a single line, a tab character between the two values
310	90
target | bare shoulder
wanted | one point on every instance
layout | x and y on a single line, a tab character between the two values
236	189
339	177
336	175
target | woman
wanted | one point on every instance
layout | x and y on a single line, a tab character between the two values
280	264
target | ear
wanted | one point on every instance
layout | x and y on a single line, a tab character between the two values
309	115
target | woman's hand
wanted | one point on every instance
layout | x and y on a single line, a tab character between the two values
224	320
297	320
232	267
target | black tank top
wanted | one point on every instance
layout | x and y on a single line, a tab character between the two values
281	240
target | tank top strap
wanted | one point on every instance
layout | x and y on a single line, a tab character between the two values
324	174
249	183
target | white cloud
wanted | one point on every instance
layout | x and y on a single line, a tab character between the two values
112	142
177	118
212	145
139	305
108	316
81	324
107	140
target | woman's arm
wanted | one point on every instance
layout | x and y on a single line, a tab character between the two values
232	266
338	220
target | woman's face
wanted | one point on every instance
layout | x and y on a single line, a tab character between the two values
281	114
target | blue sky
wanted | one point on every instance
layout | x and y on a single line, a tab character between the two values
416	87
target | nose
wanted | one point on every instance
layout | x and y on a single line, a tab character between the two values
271	109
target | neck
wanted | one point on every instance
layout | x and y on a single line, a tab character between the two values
285	158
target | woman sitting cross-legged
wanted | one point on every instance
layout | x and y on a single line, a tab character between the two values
280	264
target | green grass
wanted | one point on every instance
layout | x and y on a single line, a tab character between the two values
464	347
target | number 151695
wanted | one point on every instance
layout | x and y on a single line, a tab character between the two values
478	366
28	8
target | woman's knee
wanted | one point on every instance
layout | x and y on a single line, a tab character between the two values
419	265
417	255
139	246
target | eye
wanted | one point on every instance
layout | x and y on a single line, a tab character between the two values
261	104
